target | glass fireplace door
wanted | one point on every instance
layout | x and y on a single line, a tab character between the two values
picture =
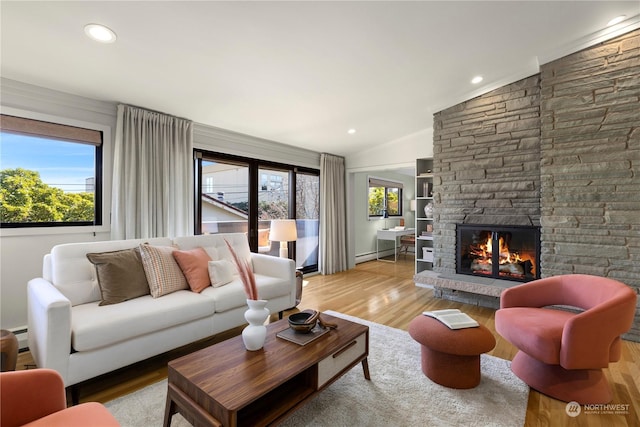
501	252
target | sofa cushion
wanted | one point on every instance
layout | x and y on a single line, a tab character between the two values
232	295
72	273
120	275
95	327
221	272
535	331
215	245
162	270
194	264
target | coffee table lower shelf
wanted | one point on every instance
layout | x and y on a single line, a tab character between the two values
250	396
276	404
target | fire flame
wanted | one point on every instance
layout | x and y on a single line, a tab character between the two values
484	252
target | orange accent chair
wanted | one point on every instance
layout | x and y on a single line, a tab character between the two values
37	398
562	352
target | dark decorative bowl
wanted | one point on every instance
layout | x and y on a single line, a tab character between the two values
297	322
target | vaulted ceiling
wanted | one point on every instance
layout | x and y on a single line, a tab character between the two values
301	73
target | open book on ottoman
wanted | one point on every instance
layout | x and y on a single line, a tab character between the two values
453	318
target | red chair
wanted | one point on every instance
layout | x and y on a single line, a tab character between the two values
37	397
562	352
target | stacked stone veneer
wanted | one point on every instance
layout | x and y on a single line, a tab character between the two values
486	164
561	150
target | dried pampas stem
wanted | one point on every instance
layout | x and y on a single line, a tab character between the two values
246	274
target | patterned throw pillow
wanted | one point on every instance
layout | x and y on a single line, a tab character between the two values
121	276
162	271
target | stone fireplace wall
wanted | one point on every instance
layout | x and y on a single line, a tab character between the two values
486	164
561	150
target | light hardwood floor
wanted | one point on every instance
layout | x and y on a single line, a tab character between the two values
385	293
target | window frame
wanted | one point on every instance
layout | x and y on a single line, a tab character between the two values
102	202
255	182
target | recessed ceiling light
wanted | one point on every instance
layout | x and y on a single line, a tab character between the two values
616	20
100	33
351	131
476	80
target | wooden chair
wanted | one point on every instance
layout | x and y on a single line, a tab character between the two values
407	242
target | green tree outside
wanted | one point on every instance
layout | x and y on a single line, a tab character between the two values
24	198
376	201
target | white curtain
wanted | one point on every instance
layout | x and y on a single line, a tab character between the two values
333	215
152	175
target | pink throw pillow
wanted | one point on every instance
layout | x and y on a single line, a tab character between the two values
194	264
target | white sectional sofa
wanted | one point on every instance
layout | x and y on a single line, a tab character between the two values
70	332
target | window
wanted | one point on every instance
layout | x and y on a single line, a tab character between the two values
385	197
238	194
50	174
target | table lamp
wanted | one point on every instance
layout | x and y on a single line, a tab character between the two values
283	231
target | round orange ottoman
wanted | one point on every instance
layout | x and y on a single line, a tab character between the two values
451	357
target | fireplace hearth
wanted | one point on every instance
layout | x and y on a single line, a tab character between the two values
498	251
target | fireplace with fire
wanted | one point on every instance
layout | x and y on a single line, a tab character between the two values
498	251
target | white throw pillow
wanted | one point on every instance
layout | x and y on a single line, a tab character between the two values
221	272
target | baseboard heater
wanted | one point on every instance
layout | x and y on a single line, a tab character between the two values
23	338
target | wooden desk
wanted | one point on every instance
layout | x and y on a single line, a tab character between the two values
226	385
391	234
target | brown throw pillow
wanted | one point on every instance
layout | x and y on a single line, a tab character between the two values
163	273
194	264
120	275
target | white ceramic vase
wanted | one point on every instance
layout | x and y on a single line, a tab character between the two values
255	333
428	210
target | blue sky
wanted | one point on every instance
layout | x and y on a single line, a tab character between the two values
60	164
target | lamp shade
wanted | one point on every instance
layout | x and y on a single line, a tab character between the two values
283	230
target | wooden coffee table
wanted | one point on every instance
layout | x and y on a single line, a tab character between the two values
226	385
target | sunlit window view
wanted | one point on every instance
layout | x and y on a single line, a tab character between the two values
46	181
385	198
307	220
226	199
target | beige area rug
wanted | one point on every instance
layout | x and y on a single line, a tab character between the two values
398	394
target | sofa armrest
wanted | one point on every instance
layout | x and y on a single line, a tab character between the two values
49	328
268	265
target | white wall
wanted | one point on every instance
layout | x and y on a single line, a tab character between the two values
225	141
379	161
395	154
365	229
21	250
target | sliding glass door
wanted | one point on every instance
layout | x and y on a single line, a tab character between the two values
224	198
236	194
273	203
307	220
